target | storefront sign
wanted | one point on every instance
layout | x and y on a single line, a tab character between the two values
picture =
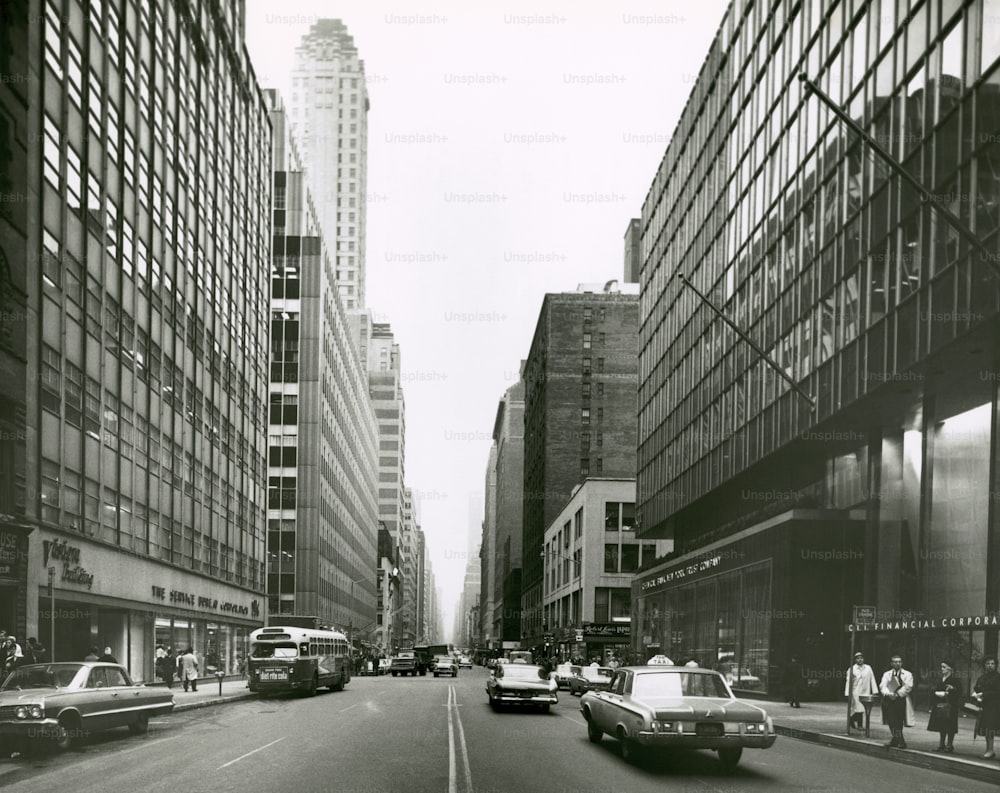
928	623
200	601
680	573
11	552
72	572
607	629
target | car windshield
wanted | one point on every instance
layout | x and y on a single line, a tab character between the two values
41	676
680	684
523	672
601	673
273	650
443	658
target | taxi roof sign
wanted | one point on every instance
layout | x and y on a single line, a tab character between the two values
658	660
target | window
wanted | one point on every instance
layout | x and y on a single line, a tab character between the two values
628	516
629	557
578	524
586	366
51	379
611	515
586	341
585	415
610	559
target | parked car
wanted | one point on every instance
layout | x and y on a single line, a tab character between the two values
521	684
464	662
672	706
62	702
590	678
445	665
562	673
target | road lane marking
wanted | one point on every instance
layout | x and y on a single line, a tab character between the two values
455	725
581	722
349	707
254	751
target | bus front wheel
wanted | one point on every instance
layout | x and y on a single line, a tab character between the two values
313	685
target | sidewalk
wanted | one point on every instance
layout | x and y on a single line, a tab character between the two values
826	723
234	689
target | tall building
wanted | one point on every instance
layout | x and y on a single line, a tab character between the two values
580	381
875	486
468	600
147	324
633	251
322	448
487	554
330	119
16	518
386	393
508	438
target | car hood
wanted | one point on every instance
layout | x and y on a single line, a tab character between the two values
28	695
707	708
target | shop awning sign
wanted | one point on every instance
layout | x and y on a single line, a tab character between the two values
865	615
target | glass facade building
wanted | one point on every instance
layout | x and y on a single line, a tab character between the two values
861	294
148	328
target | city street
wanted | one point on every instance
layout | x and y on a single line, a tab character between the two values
426	734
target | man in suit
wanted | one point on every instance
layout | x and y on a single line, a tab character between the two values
897	709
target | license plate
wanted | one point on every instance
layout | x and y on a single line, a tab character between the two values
708	728
273	675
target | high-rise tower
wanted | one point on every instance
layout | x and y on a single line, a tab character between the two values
330	120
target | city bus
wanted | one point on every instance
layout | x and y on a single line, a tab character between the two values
286	659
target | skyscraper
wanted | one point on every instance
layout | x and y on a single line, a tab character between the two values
322	537
330	120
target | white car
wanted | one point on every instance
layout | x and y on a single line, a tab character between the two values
464	660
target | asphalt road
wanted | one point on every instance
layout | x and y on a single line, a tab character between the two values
428	735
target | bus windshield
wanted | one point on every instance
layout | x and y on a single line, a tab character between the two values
273	650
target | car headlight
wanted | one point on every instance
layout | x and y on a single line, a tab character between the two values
756	727
662	726
28	712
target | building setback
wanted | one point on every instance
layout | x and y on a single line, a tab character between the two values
785	514
322	458
148	153
330	118
580	380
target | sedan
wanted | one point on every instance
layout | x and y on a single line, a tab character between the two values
521	684
445	665
590	678
464	661
562	674
61	702
672	706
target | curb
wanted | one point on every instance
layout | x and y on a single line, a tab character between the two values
968	769
205	703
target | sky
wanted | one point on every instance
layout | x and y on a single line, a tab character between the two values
509	144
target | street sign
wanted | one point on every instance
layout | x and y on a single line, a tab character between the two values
579	636
865	615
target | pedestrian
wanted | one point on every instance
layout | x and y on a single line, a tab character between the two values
189	669
39	655
93	655
897	709
12	654
860	682
793	682
107	657
986	692
945	706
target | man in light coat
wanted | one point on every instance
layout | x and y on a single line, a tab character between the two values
897	709
189	669
860	682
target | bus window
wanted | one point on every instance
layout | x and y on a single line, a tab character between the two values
272	650
304	649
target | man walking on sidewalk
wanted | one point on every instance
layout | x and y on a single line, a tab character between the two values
189	669
897	710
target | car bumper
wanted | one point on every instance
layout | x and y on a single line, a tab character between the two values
682	741
29	728
531	699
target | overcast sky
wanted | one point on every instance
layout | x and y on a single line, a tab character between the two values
508	146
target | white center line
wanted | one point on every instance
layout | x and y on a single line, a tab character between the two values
581	722
242	756
452	780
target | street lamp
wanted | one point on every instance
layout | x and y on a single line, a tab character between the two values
572	559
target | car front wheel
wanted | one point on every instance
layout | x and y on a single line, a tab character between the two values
66	733
630	749
730	757
594	732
